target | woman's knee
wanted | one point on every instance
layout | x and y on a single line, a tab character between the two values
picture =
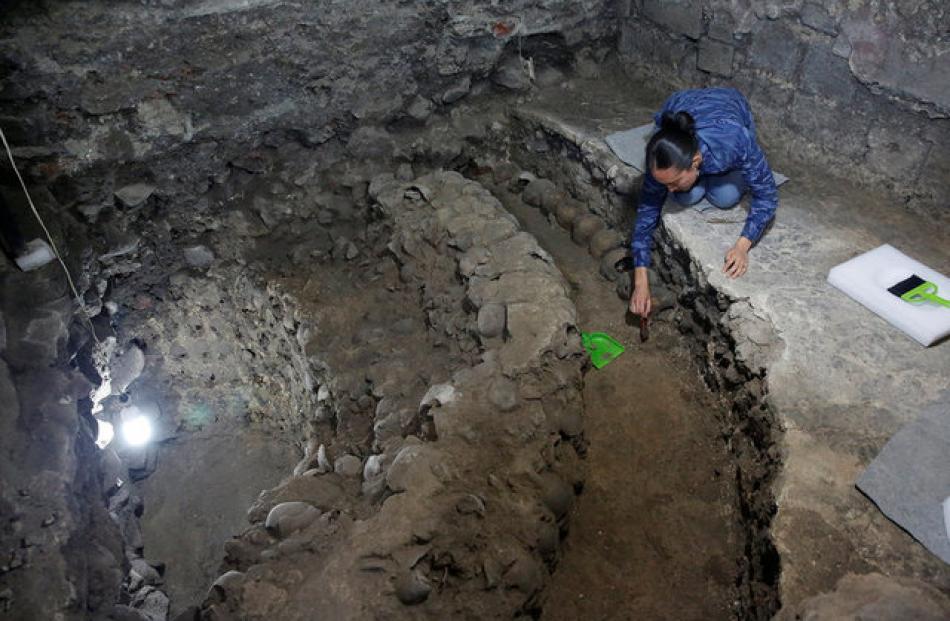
724	195
690	196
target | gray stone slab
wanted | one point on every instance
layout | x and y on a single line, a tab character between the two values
629	145
715	57
682	16
910	479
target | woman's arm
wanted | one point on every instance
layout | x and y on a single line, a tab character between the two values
652	196
758	176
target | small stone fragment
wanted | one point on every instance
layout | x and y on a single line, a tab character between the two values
503	394
513	75
420	109
126	368
492	318
323	464
412	587
457	91
227	586
524	575
289	517
471	504
348	466
439	394
325	217
556	494
404	172
135	194
198	257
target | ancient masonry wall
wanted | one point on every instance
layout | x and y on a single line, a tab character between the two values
862	86
164	96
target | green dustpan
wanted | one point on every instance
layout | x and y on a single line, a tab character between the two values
602	348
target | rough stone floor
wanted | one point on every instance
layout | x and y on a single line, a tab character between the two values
841	380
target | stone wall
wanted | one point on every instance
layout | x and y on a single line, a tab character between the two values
861	86
55	522
100	96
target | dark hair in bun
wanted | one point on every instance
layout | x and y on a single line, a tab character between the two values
675	144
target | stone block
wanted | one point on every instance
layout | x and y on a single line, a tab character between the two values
895	152
492	318
645	43
513	75
776	49
723	27
458	90
842	47
817	18
370	143
680	16
827	127
715	57
825	74
420	108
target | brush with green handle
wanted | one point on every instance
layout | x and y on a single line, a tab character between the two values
916	290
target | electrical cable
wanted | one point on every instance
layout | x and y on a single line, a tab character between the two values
69	278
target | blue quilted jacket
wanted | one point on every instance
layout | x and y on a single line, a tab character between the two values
727	142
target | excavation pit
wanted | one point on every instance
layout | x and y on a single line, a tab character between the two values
341	256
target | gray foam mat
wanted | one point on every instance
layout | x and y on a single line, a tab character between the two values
910	479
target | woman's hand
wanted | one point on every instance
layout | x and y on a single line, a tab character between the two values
640	303
737	259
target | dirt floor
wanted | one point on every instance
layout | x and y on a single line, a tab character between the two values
187	525
654	535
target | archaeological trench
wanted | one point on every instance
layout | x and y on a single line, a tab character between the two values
338	256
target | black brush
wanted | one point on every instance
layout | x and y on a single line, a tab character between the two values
916	290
